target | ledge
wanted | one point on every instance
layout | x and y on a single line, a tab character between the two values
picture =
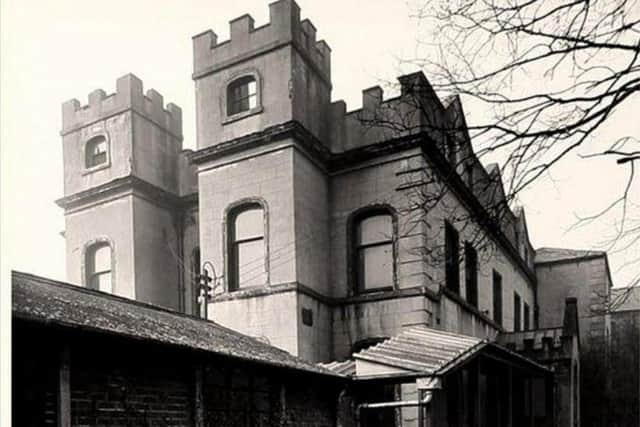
261	291
129	182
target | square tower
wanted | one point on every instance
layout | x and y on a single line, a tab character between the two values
121	193
262	100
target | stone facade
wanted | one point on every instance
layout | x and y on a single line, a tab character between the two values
313	167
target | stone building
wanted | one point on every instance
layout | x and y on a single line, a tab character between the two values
324	231
609	331
301	210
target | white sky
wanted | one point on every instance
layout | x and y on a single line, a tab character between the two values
56	50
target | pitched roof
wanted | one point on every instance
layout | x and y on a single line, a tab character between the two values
421	351
546	255
39	299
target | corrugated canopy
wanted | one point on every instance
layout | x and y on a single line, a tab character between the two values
421	352
418	349
44	300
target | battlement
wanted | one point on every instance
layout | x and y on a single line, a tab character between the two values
284	27
129	95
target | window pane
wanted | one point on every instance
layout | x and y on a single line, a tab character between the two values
376	266
251	88
250	259
249	224
375	229
103	282
253	101
102	259
242	95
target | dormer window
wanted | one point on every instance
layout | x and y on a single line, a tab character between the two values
96	152
242	95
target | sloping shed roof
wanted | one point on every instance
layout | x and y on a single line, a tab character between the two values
545	255
420	351
347	367
39	299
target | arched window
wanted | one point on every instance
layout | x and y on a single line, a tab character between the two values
242	95
373	251
246	247
98	267
95	152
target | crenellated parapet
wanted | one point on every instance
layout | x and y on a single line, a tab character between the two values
284	27
129	95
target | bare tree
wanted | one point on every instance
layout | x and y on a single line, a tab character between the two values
547	75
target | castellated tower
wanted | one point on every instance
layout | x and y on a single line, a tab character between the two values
122	187
263	99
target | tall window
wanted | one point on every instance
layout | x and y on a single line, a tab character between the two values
246	246
517	319
242	95
471	273
95	152
98	267
374	252
452	258
527	322
497	297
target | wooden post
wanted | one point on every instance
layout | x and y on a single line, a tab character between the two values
64	388
510	398
199	395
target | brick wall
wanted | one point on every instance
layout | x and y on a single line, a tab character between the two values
119	382
131	387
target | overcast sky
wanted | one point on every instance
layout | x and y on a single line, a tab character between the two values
56	50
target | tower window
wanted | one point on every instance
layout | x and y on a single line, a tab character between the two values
373	247
246	246
96	152
242	95
98	267
452	258
527	322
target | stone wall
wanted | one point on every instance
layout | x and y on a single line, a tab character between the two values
109	221
585	279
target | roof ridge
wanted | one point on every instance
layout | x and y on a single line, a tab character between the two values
106	295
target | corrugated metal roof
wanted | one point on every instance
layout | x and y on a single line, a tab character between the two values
347	367
40	299
421	349
418	349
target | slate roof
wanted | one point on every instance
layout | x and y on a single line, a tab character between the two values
39	299
547	255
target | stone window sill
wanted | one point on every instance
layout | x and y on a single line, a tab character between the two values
242	115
